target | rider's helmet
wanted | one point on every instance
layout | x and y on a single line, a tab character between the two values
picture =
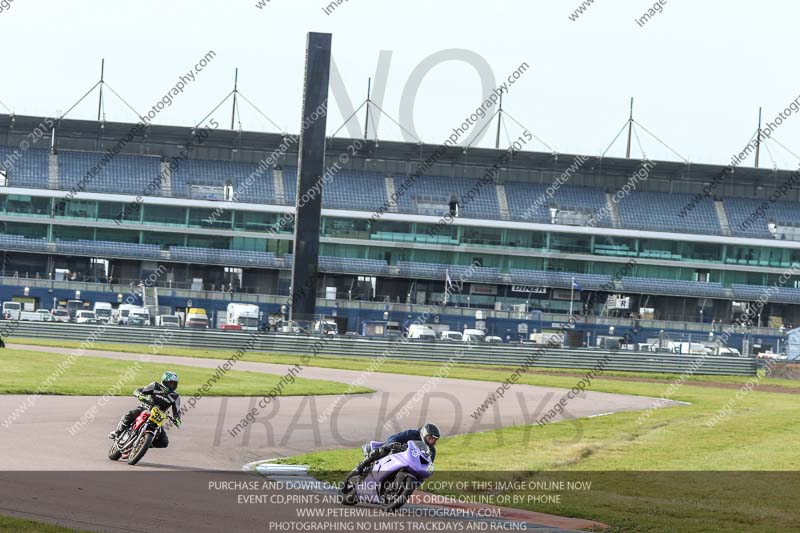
170	381
429	434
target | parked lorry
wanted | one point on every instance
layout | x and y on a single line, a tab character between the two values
196	318
243	317
73	306
326	326
127	311
103	310
11	310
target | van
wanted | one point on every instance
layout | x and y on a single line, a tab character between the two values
85	317
473	335
59	315
168	321
422	332
452	336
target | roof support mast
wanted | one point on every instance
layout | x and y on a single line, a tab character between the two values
499	122
758	137
100	100
630	132
235	93
366	121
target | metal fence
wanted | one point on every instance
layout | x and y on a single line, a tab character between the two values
511	355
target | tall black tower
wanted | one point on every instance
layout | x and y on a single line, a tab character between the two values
311	168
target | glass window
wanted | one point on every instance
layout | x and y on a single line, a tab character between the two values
347	228
210	218
165	214
253	221
28	205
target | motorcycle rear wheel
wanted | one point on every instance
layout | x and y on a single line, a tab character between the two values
141	448
113	453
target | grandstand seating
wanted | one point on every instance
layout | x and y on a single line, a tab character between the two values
738	210
560	280
120	174
430	195
354	266
108	248
529	201
26	168
413	269
20	243
208	173
661	212
786	295
365	190
347	189
227	257
673	287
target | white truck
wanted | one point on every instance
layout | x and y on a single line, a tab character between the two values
451	336
11	310
421	331
126	311
103	310
85	317
168	321
244	317
326	326
31	316
473	335
196	317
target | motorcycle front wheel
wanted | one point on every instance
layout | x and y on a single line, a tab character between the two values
395	493
141	448
347	494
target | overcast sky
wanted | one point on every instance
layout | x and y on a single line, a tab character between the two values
698	70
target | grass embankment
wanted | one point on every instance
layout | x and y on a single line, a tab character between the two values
19	525
24	371
417	368
672	472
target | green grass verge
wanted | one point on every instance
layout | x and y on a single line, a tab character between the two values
19	525
756	437
420	368
23	371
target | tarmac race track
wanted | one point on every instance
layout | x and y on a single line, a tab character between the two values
48	474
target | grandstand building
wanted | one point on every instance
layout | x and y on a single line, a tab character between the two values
211	209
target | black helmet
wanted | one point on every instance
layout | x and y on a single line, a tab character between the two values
429	430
